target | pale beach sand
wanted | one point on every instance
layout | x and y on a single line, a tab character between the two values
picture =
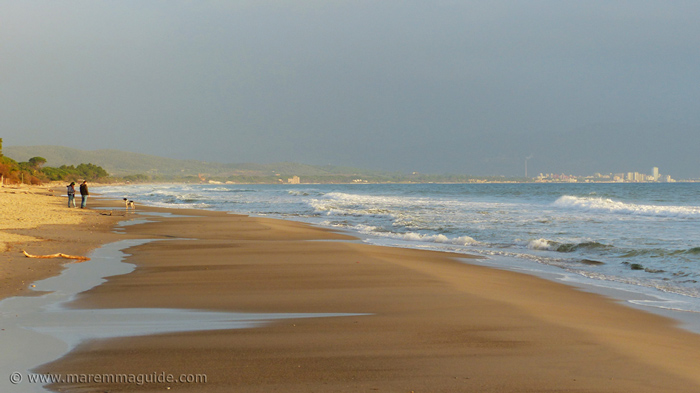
38	220
30	207
433	323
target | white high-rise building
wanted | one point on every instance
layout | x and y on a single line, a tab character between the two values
655	173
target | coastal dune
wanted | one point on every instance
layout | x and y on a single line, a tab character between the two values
424	321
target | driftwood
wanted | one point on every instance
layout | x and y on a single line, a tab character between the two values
59	255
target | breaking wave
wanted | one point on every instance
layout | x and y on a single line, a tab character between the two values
551	245
607	205
416	237
460	241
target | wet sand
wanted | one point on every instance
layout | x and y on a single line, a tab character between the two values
436	324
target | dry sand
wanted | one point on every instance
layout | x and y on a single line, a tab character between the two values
435	324
28	207
38	220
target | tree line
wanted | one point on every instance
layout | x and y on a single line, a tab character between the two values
33	171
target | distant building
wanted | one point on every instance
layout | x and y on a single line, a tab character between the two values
294	180
630	177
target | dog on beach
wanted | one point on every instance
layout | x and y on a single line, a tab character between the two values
129	204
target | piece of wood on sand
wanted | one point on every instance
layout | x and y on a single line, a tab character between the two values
58	255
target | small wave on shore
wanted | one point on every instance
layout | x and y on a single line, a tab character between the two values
551	245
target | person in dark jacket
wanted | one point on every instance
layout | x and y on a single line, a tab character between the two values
70	190
84	193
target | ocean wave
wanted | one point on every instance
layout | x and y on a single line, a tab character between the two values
542	244
607	205
415	237
227	189
460	241
535	258
170	193
181	205
660	252
693	251
188	198
331	208
670	305
412	213
377	201
551	245
659	284
571	247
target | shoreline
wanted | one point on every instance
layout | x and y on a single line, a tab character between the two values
625	294
436	324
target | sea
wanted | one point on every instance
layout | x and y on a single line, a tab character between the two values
641	238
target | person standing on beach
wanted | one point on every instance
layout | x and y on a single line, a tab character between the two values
84	193
70	190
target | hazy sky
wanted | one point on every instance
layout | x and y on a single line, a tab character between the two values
432	86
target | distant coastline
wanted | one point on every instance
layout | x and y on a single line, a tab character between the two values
128	167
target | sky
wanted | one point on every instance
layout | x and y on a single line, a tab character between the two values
439	86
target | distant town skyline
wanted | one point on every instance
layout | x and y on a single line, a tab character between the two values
621	177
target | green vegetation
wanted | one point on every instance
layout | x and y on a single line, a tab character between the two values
33	171
37	162
89	172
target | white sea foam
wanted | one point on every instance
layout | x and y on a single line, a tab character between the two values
462	240
542	244
607	205
181	205
668	305
347	205
416	237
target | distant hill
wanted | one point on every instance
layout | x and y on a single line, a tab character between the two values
115	162
121	163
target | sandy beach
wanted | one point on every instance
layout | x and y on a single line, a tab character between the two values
430	322
37	219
